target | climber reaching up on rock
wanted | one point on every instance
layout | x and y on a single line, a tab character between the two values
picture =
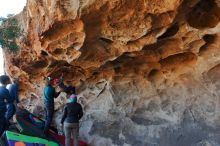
49	95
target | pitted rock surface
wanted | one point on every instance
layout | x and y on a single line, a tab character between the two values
146	71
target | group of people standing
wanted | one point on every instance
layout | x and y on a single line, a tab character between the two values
72	111
8	101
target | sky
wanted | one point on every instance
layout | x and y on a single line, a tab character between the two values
9	7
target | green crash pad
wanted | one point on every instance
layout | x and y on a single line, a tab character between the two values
28	140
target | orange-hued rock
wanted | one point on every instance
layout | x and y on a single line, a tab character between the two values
145	71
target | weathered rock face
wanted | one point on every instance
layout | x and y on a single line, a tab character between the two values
146	71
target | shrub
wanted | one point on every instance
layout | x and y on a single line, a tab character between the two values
9	31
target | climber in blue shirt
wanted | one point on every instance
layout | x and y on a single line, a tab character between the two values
49	95
13	91
4	99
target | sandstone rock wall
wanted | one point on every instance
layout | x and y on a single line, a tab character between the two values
146	71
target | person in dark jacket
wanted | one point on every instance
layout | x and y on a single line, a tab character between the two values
49	95
11	107
68	89
4	99
70	121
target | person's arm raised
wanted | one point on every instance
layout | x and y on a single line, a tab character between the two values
55	94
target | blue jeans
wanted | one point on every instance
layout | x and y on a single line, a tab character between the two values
48	120
2	122
10	111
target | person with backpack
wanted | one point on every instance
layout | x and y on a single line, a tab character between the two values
13	91
4	100
70	120
49	95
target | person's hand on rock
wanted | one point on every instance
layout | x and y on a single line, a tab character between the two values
19	105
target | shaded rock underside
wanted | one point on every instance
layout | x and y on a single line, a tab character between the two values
146	71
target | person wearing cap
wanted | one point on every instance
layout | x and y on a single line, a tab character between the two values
4	100
49	95
70	120
13	91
